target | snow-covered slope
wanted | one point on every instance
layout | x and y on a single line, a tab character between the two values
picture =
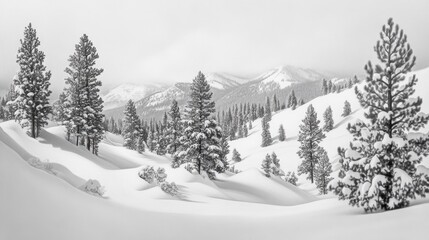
244	206
253	154
121	94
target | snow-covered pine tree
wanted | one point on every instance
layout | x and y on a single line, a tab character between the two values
330	86
268	109
32	85
379	171
266	135
151	141
329	121
275	167
292	102
236	157
86	105
131	126
282	135
301	102
347	109
224	146
245	130
324	87
174	130
202	136
266	165
59	110
322	171
310	135
291	178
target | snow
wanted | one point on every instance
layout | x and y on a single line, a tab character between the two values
119	95
40	204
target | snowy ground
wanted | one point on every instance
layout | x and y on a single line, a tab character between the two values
37	205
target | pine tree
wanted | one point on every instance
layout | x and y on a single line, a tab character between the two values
291	178
347	109
224	146
131	126
324	87
32	85
202	135
301	102
268	109
322	171
329	121
266	135
275	167
379	170
151	141
58	110
86	105
174	130
236	157
330	86
310	135
292	102
245	130
266	165
282	135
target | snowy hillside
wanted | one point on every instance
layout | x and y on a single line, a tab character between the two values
121	94
246	205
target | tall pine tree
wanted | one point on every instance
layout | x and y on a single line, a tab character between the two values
310	135
329	121
379	170
32	84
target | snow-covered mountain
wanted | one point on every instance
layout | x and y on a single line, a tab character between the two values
228	89
119	95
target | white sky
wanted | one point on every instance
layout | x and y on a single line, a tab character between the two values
163	41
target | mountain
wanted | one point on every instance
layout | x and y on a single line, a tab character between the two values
229	89
121	94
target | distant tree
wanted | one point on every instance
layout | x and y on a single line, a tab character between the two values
268	109
59	109
32	85
282	135
266	135
245	130
310	135
236	157
291	178
329	121
174	129
347	109
131	126
324	87
292	102
322	172
266	165
275	167
301	102
330	86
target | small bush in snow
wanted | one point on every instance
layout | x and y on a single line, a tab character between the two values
147	174
160	175
35	162
93	187
169	188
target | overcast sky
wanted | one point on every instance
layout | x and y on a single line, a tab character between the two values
168	41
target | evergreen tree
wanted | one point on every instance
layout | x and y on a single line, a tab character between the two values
324	87
329	121
275	168
292	102
379	170
291	178
151	143
268	109
310	135
58	109
266	135
266	165
86	105
202	135
32	84
330	86
245	130
236	157
347	109
322	172
174	131
224	146
301	102
131	126
282	135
